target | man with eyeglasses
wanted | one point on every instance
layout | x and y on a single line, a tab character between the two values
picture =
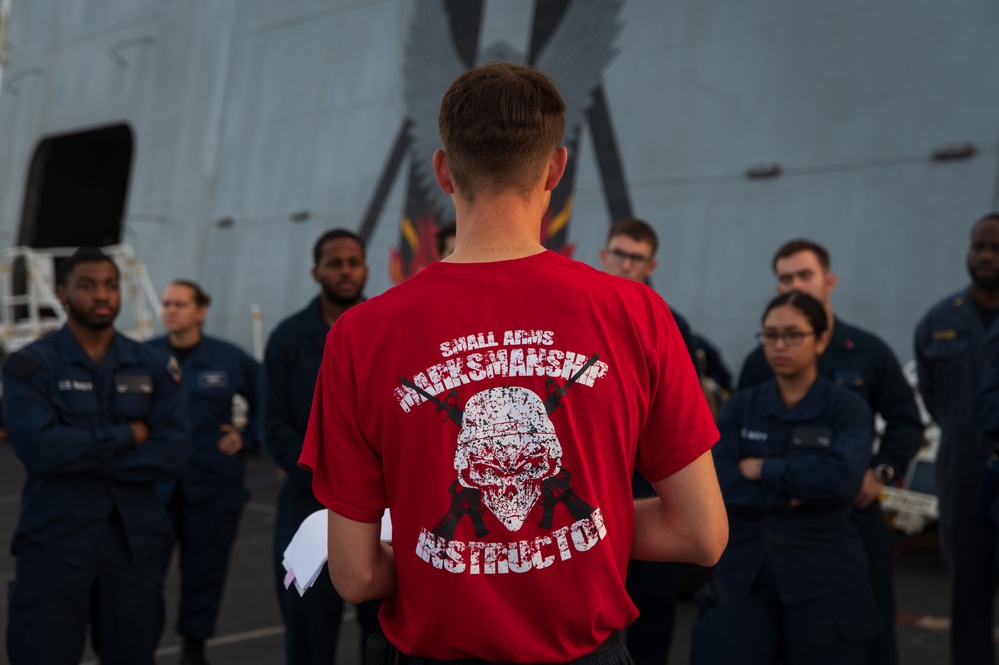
861	361
652	585
631	253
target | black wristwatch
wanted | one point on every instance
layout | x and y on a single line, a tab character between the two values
885	473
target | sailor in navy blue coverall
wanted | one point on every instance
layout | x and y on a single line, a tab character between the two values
291	365
651	585
792	585
987	404
862	362
807	559
96	419
954	342
206	502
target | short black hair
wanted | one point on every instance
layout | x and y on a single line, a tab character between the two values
443	233
333	234
984	218
637	229
82	255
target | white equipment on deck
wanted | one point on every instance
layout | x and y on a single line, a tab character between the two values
29	307
915	505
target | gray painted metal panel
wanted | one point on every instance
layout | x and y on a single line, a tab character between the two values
256	110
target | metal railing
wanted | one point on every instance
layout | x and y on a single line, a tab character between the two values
29	306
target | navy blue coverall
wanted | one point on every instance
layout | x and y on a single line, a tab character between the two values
861	361
792	586
91	525
206	502
652	585
987	403
291	365
952	350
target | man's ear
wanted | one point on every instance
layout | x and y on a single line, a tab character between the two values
61	294
442	172
604	258
831	282
556	167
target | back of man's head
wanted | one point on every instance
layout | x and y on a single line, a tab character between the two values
82	255
636	229
499	124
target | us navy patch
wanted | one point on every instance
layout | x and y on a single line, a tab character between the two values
753	435
73	384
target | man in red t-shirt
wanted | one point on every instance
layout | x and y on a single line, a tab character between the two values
497	403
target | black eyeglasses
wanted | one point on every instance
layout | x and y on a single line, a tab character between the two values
789	337
621	257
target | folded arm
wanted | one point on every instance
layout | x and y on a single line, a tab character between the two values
163	454
744	495
45	444
833	475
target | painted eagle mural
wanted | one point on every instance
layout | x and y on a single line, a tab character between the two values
570	40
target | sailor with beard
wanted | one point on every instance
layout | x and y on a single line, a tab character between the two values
954	342
96	418
291	364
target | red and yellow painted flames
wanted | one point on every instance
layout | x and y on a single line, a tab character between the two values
420	237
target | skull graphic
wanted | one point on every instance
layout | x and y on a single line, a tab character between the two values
507	446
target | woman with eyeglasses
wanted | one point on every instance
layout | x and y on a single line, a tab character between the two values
792	586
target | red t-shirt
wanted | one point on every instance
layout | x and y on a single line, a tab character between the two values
498	410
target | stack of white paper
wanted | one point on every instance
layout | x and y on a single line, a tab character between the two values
305	556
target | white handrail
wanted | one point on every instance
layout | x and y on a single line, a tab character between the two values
40	293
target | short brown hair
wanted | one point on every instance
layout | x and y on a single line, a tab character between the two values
499	124
792	247
636	229
201	297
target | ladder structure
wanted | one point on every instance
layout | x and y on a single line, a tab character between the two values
29	307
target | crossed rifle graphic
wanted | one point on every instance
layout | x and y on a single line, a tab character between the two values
555	489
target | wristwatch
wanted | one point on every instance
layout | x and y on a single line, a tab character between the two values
885	473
